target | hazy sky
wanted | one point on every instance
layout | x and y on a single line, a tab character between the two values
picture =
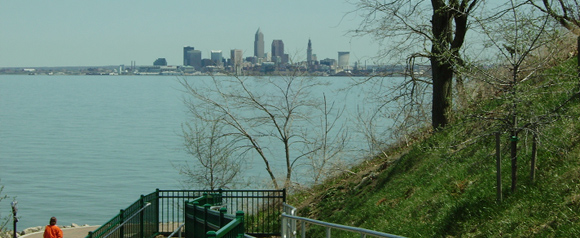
105	32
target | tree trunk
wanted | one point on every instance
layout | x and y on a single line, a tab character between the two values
442	97
441	67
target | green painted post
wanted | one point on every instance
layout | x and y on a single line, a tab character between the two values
121	220
195	204
210	234
241	230
90	234
141	220
157	210
223	212
205	212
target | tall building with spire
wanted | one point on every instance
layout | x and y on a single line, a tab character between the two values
309	53
259	44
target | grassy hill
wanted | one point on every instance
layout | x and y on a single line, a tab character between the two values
444	183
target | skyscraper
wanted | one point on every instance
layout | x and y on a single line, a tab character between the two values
277	48
278	51
309	53
236	61
216	57
259	44
186	59
195	59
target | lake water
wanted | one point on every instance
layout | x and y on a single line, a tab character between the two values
82	147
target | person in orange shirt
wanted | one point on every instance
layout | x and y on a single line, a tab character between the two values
52	231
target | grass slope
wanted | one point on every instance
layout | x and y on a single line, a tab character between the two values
444	184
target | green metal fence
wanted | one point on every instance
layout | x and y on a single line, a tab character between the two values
207	221
137	220
166	213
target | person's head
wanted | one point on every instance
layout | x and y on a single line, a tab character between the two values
53	221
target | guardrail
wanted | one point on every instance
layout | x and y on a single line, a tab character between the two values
289	226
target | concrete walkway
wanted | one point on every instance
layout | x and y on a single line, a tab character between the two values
73	232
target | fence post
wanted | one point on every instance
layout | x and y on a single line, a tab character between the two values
498	166
241	229
223	212
141	216
303	228
205	212
157	210
90	234
121	220
534	155
210	234
195	232
284	226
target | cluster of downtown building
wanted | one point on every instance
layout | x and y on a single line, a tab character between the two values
275	61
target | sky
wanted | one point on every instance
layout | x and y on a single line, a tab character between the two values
40	33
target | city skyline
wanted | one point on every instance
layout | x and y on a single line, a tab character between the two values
71	33
277	54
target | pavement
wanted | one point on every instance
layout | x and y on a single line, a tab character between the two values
73	232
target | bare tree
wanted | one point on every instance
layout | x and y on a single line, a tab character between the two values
324	151
434	30
217	166
526	44
567	13
268	117
3	220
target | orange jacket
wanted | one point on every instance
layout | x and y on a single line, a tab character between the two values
52	232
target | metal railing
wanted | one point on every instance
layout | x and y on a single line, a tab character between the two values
234	229
166	213
289	226
177	231
137	220
128	219
204	221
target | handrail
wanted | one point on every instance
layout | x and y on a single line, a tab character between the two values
121	225
361	231
292	210
227	228
289	209
176	230
237	223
